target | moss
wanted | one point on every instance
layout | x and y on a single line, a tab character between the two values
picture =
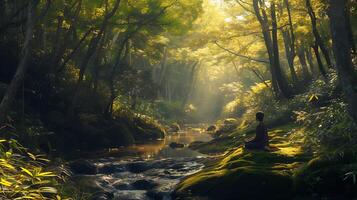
284	172
324	176
245	174
239	183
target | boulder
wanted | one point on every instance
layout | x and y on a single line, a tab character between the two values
110	169
121	186
83	167
102	196
211	128
138	167
175	127
144	184
176	145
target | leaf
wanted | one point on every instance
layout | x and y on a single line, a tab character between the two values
46	174
7	165
33	157
26	171
5	182
48	190
313	97
8	154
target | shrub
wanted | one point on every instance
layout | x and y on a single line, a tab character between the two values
329	127
25	175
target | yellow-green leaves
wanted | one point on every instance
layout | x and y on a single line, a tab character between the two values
4	182
23	175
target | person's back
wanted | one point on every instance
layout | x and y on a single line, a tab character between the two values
261	139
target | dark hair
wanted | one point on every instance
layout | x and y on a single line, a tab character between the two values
259	116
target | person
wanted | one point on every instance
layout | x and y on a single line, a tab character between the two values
261	139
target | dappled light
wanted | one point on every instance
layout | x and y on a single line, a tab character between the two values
178	99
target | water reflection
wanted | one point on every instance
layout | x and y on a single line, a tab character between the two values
160	149
150	171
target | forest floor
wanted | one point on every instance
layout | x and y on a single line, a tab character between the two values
284	172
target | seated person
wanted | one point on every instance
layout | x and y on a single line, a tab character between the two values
261	139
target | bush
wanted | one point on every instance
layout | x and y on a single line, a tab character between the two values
25	175
329	127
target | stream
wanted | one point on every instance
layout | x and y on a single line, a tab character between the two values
150	171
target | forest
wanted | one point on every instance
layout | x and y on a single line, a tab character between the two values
178	99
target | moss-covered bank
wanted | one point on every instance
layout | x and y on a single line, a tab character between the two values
284	172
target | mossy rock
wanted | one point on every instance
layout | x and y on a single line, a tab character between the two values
327	178
246	174
238	183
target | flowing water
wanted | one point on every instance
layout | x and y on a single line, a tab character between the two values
151	171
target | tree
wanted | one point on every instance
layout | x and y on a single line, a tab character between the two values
17	80
318	40
289	42
341	48
280	83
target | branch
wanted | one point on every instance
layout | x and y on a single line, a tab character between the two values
240	2
239	55
254	32
74	50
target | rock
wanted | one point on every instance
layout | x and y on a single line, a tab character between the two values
121	186
103	196
230	121
157	195
211	128
110	169
175	127
144	184
138	167
196	144
176	145
178	166
228	126
83	167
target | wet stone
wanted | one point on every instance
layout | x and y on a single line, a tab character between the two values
83	167
144	184
122	186
138	167
110	169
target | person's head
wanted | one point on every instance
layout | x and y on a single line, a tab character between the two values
259	116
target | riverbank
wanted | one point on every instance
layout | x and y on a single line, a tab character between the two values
287	171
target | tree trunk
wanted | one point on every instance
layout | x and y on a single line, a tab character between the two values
290	39
349	29
322	70
310	61
17	80
280	77
262	18
90	51
341	48
302	59
317	35
289	55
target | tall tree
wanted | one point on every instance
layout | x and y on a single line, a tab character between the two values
92	48
280	84
318	39
18	78
289	43
341	49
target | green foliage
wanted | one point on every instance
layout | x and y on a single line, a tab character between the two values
25	175
329	127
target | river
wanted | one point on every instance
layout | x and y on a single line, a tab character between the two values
150	171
